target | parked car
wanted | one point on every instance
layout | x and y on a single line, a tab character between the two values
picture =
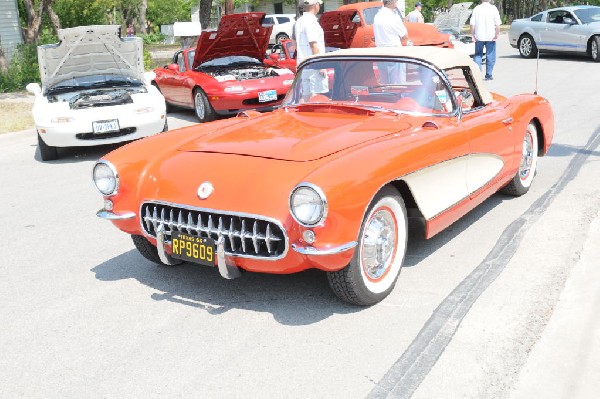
574	30
418	33
328	180
283	26
94	91
225	73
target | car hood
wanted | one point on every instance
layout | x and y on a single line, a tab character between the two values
90	50
238	34
338	28
425	35
296	136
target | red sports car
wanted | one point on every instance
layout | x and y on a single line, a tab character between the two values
225	73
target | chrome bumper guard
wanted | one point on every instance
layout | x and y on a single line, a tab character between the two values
225	270
325	251
104	214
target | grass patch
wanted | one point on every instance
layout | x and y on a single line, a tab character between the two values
15	116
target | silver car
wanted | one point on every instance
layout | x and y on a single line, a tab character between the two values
567	29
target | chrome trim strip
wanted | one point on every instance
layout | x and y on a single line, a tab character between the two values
327	251
104	214
160	246
212	227
225	270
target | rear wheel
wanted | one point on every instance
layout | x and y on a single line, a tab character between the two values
47	152
375	266
527	47
595	48
204	111
521	182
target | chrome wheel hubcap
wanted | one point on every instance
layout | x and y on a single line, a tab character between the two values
526	46
199	106
594	49
379	244
527	157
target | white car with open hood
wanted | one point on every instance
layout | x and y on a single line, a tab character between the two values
94	91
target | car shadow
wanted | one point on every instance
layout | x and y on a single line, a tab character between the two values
419	248
563	150
294	299
78	154
555	56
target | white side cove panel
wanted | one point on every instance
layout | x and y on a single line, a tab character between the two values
439	187
482	168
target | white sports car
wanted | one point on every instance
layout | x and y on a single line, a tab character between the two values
94	91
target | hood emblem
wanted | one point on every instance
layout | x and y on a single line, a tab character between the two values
205	190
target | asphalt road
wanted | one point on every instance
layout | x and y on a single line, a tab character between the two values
84	315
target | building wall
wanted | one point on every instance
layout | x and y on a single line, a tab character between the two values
10	32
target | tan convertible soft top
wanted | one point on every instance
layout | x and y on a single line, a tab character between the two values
443	58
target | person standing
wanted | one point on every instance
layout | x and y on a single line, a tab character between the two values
485	28
389	31
415	15
310	40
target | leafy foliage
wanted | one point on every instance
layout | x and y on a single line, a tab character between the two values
23	69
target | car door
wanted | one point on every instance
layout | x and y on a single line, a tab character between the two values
169	82
492	142
560	34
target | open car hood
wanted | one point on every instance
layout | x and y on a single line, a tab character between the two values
90	50
294	136
338	27
238	34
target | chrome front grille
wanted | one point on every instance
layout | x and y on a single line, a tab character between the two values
245	235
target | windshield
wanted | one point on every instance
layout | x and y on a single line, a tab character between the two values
393	85
93	81
229	61
588	15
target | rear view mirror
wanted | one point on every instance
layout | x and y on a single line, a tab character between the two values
274	56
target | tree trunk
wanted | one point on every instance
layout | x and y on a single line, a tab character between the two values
204	13
229	7
143	24
53	18
3	61
31	32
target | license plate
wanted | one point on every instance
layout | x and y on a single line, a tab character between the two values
100	127
269	95
193	249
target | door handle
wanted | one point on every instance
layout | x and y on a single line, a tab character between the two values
507	121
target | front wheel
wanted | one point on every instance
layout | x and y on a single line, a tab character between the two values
372	273
527	47
521	182
595	48
204	111
47	152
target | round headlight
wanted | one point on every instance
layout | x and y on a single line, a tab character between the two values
308	205
106	178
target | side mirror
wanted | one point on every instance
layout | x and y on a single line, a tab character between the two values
274	56
149	77
569	21
173	67
34	88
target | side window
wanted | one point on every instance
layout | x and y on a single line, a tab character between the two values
268	21
460	79
537	18
180	62
556	17
283	20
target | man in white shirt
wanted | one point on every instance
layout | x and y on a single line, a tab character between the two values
415	15
310	40
485	28
389	31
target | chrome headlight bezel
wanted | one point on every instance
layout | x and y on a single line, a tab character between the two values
114	176
319	200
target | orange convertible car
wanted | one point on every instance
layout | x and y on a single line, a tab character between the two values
365	138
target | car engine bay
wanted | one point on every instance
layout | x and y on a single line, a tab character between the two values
97	97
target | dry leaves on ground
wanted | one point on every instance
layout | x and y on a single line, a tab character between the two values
15	116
